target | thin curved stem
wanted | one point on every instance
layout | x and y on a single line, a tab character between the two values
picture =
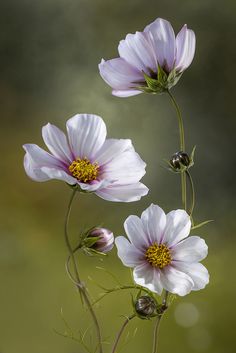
192	192
182	147
127	320
156	334
77	280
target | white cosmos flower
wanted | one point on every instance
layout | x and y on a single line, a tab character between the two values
108	167
160	252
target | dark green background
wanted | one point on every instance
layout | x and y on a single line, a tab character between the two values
49	51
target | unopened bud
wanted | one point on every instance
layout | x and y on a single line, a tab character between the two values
180	160
105	239
145	306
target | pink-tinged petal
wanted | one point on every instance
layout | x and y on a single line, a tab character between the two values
125	93
178	227
192	249
87	134
196	271
129	255
56	142
123	193
175	281
126	168
135	232
33	171
162	37
35	159
138	52
59	174
95	185
148	277
119	74
185	48
111	149
154	222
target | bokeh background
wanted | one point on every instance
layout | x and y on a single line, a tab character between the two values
49	52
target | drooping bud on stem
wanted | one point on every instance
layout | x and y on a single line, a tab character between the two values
103	240
145	306
180	160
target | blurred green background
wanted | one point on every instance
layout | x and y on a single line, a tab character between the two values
49	51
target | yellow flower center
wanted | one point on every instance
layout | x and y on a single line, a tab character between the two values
84	170
158	255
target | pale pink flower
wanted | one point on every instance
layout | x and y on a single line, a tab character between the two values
161	253
108	167
150	61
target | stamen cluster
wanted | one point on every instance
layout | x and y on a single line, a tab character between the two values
158	255
84	170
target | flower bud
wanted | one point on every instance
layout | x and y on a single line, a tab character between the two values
145	306
105	239
180	160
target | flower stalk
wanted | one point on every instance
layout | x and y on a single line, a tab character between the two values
77	281
182	147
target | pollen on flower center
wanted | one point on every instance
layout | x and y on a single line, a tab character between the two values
84	170
158	255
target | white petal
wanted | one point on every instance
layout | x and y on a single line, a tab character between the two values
56	142
123	193
111	149
163	39
149	277
175	281
178	226
154	222
138	52
35	159
129	255
185	48
196	271
136	234
125	168
125	93
119	74
192	249
59	174
95	185
87	134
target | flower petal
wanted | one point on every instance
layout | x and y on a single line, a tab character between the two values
154	222
162	37
138	52
192	249
125	168
196	271
56	142
35	159
95	185
111	149
87	134
123	193
175	281
148	277
178	226
119	74
125	93
185	48
129	255
135	232
58	174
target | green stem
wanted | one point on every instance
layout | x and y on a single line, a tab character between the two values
78	282
182	147
156	333
119	334
192	192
